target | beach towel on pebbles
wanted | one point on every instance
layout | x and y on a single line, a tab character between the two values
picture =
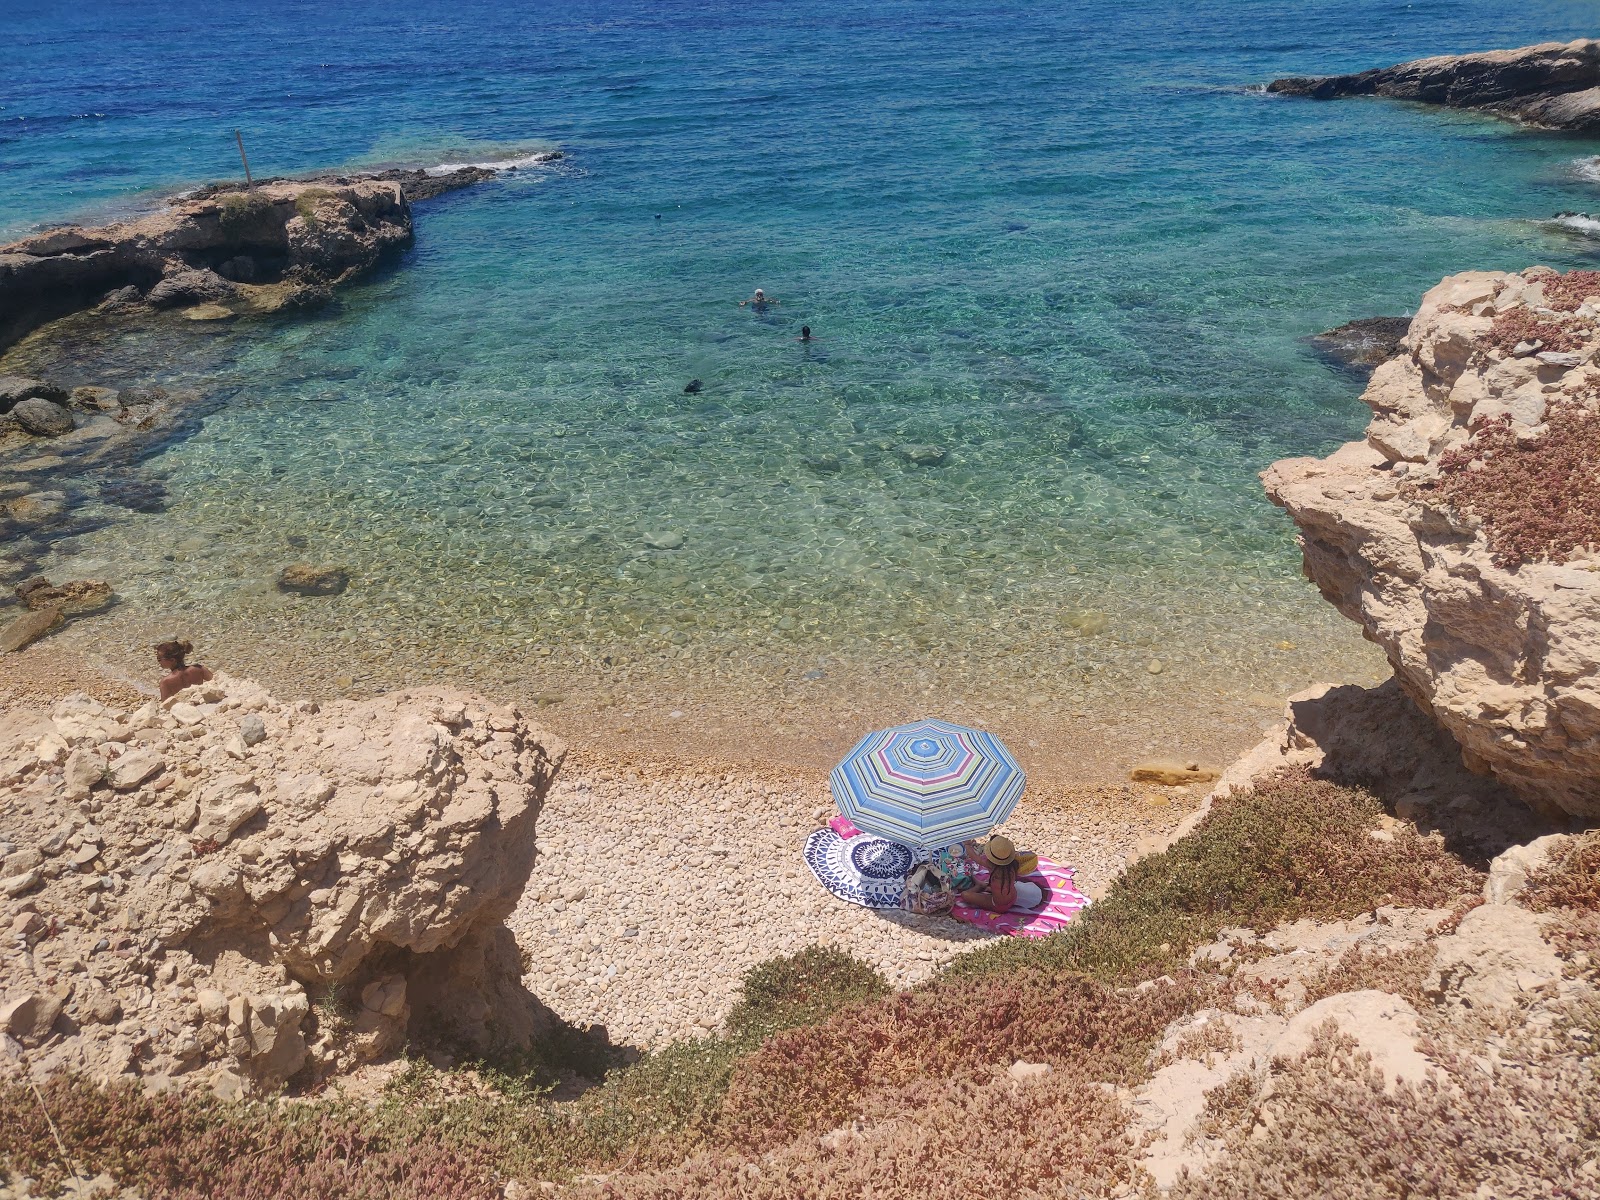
1062	902
864	870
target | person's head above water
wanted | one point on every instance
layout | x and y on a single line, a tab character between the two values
805	333
171	655
760	295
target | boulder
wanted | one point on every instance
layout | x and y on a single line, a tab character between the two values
43	418
1362	344
14	389
96	399
74	598
29	628
189	287
372	851
1497	640
307	580
1555	85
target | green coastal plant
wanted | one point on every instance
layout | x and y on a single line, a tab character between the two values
1292	847
238	212
306	203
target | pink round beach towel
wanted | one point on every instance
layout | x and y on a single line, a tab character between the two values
1062	902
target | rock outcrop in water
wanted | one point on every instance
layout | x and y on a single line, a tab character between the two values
279	244
229	891
1462	532
1554	85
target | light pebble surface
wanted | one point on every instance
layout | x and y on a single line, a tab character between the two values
707	872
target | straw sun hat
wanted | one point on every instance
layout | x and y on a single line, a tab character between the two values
999	851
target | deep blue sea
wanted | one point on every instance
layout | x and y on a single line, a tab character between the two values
1065	245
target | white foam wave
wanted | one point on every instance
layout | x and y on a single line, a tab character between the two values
1579	223
535	159
1587	168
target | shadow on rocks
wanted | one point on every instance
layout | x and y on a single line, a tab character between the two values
1379	739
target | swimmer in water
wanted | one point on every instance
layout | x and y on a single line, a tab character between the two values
805	334
758	302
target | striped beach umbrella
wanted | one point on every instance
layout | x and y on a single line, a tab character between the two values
927	784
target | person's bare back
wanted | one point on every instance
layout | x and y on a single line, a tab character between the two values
171	656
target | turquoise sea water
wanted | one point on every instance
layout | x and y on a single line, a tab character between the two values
1064	244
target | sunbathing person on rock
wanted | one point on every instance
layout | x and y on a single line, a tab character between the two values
171	656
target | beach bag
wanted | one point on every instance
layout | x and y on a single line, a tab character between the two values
927	892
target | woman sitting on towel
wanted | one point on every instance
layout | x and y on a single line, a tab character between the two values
999	894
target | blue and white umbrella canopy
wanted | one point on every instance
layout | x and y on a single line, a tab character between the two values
927	784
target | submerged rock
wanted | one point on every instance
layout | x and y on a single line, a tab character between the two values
29	628
14	389
921	455
75	598
1555	85
307	580
1364	343
43	418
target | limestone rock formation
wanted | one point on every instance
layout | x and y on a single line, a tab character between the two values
228	891
291	233
74	598
1555	85
189	287
1458	532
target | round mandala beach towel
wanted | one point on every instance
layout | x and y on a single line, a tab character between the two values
867	871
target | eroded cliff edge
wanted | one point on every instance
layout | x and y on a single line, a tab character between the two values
1461	532
228	890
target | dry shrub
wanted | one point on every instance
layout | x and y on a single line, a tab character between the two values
1402	971
1202	1043
183	1147
1329	1131
1536	500
1293	847
1230	1107
1565	293
1524	325
810	1079
1569	887
1063	1135
1571	878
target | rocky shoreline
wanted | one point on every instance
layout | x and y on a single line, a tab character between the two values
216	255
1461	533
1553	85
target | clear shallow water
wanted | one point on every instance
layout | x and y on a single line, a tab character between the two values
1063	244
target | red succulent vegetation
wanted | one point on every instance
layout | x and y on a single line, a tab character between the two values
1538	498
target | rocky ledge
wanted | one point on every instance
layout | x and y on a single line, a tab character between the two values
221	251
229	891
1462	532
1554	85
